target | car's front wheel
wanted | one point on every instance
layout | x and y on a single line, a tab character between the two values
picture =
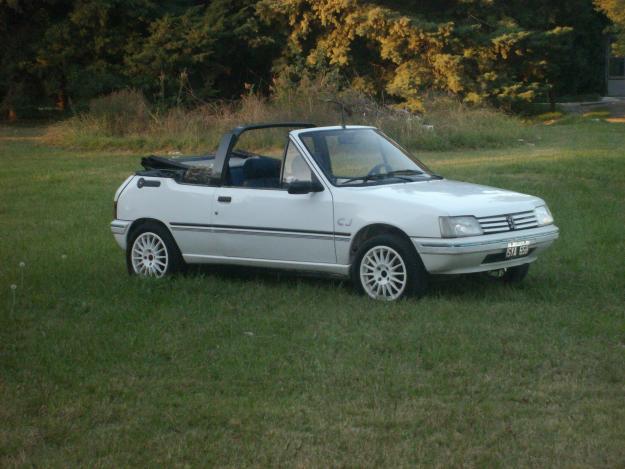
387	268
152	252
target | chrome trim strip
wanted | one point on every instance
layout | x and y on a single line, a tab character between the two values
259	231
253	232
519	237
504	215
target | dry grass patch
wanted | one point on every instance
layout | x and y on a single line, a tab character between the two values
124	120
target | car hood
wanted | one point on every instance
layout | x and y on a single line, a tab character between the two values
449	197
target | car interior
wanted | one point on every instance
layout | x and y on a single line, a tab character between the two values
244	168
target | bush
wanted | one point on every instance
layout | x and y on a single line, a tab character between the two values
120	113
123	120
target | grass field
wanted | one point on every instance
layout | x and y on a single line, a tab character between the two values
263	369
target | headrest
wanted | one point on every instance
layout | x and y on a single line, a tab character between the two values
255	168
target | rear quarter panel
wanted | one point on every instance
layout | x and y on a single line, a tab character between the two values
170	202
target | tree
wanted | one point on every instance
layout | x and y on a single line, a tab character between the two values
21	27
471	48
209	50
54	49
495	51
615	11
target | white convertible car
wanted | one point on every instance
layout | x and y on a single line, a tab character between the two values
343	200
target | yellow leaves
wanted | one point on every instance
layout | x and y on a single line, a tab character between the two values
449	70
409	77
505	44
473	98
364	85
560	30
489	76
615	10
329	11
515	92
406	57
413	105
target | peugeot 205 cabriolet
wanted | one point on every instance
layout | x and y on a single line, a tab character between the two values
342	200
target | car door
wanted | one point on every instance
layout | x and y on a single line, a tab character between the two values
269	223
189	209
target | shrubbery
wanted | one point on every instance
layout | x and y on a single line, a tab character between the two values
125	120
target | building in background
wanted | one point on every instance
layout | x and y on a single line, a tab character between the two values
615	74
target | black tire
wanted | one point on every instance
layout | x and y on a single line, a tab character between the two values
416	275
175	263
514	275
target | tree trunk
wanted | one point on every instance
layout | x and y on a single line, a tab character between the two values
12	115
61	102
552	100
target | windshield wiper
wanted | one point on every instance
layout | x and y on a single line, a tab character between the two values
404	172
397	174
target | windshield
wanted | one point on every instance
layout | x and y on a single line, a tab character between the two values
362	156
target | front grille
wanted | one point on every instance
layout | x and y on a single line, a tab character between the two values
509	222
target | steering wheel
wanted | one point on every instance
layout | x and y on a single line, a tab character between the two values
376	169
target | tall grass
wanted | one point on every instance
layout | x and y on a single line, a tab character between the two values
125	120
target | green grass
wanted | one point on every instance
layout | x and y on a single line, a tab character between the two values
239	368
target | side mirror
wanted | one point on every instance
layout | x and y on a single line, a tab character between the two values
305	187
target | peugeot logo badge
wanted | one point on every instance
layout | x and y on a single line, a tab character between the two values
510	221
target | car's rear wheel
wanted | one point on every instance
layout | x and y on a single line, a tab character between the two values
152	252
387	268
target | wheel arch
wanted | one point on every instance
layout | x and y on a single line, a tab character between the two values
177	263
139	222
376	229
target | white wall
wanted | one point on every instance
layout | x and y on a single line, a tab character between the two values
616	87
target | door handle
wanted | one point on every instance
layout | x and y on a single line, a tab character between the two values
224	198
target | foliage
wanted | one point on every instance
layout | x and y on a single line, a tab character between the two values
205	51
74	50
615	10
124	120
492	52
187	52
120	113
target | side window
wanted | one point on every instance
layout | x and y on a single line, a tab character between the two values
295	167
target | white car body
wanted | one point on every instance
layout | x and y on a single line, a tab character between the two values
315	231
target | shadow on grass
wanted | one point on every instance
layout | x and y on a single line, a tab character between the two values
451	286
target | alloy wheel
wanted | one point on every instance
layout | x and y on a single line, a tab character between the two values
149	255
383	273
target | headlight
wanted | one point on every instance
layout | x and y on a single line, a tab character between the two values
456	227
543	215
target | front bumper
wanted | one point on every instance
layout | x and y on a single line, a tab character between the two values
481	253
119	228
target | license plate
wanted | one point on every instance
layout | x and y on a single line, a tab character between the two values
517	249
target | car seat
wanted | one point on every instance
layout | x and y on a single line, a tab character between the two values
261	172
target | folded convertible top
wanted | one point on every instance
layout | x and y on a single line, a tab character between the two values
158	162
